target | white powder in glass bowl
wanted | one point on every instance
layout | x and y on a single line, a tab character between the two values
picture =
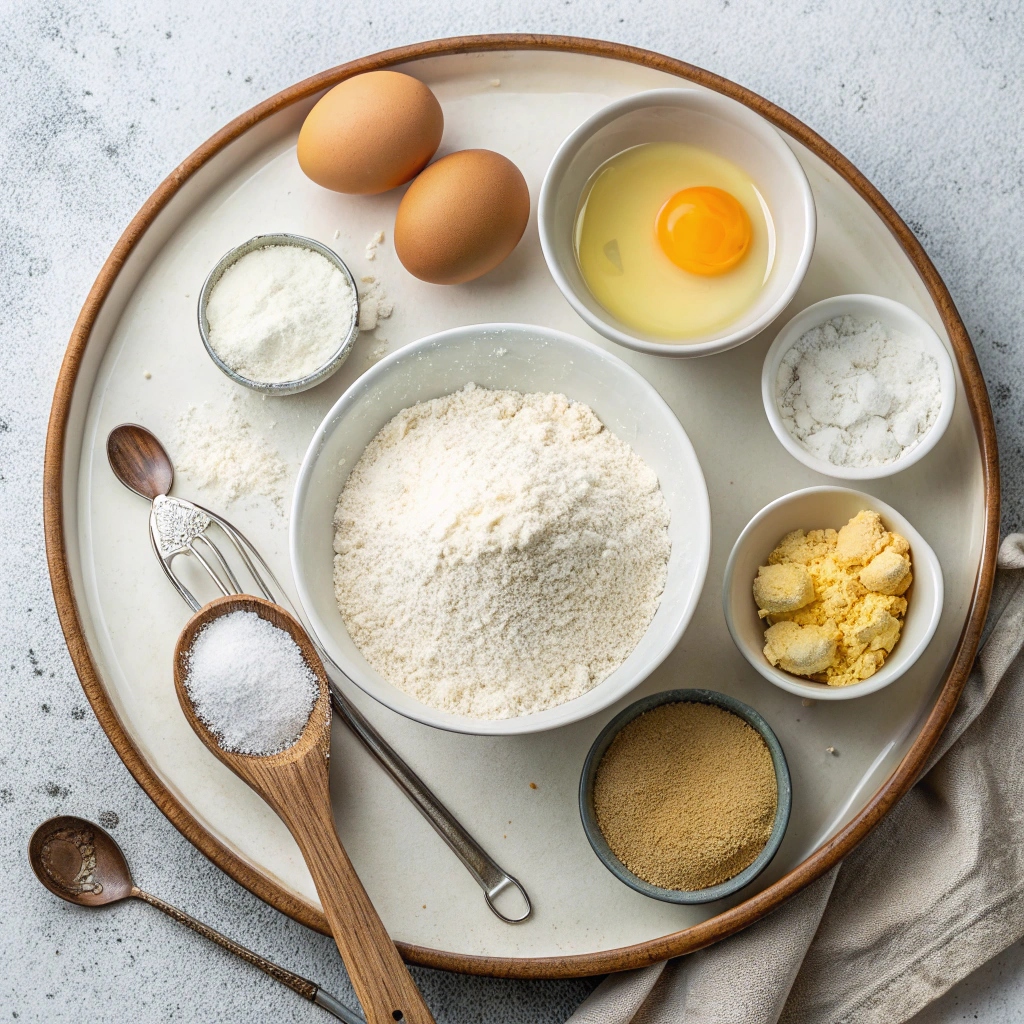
279	313
499	553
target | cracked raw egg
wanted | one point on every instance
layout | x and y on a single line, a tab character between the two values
674	241
704	230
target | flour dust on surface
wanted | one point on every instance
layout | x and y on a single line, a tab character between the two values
219	449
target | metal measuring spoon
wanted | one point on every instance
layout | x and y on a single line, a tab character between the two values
139	461
81	863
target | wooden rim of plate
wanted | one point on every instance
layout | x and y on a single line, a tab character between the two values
579	965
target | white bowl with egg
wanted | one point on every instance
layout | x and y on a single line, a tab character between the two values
525	359
894	317
714	123
818	508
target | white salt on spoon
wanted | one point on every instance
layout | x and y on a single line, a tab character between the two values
250	684
245	668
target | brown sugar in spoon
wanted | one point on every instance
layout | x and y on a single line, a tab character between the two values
295	784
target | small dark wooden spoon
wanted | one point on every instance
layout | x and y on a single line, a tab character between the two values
295	784
139	461
81	863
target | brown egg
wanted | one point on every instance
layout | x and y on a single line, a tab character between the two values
461	217
370	133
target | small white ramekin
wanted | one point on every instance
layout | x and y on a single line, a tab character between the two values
817	508
890	314
720	125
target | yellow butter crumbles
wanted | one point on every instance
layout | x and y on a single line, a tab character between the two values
834	600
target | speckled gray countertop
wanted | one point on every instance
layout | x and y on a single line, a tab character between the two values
101	98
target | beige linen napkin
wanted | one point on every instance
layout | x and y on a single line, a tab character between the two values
932	893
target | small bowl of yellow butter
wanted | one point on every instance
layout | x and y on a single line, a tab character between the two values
830	593
677	222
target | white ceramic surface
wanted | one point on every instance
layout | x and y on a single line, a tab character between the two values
818	508
131	617
721	126
896	317
526	359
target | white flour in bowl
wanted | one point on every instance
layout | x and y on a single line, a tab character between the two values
498	553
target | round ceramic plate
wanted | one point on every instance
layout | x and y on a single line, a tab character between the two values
136	355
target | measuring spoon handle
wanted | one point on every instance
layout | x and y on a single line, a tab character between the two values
305	988
486	872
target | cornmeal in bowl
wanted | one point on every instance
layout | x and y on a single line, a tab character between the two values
834	600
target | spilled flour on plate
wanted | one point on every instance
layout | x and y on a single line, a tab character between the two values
220	450
499	553
374	304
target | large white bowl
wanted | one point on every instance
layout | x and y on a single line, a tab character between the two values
817	508
896	317
712	122
526	359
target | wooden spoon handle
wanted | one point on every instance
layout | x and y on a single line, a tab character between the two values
381	980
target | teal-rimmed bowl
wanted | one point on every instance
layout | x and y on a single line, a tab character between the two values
603	742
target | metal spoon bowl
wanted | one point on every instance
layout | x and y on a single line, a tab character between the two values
80	862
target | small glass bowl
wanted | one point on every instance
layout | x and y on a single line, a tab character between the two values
284	387
604	741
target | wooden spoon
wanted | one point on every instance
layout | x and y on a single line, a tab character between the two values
139	461
81	863
295	784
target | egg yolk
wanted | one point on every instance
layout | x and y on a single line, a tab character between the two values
704	230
